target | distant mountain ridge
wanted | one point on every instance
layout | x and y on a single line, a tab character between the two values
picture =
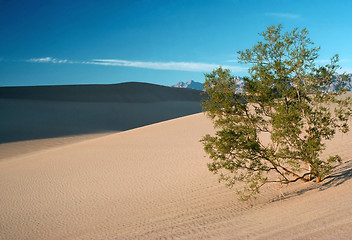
199	86
190	84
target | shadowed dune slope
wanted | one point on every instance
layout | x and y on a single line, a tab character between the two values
57	111
122	92
27	120
152	183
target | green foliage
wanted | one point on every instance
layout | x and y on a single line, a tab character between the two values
286	98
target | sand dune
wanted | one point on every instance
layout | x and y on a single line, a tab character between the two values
26	119
56	111
28	126
152	183
122	92
20	148
35	118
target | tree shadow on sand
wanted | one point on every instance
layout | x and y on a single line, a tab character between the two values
340	175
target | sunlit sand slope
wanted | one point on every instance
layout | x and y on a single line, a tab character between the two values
153	183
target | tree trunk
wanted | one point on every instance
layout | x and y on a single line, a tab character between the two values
318	179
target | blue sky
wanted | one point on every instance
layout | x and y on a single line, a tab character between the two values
59	42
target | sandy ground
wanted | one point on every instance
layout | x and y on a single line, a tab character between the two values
30	125
19	148
152	183
42	112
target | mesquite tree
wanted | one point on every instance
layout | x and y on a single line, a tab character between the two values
272	127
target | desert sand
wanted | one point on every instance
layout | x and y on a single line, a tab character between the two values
42	117
40	112
152	182
30	125
83	166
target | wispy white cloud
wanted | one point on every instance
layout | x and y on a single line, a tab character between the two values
48	60
326	61
323	61
283	15
345	70
343	60
176	66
